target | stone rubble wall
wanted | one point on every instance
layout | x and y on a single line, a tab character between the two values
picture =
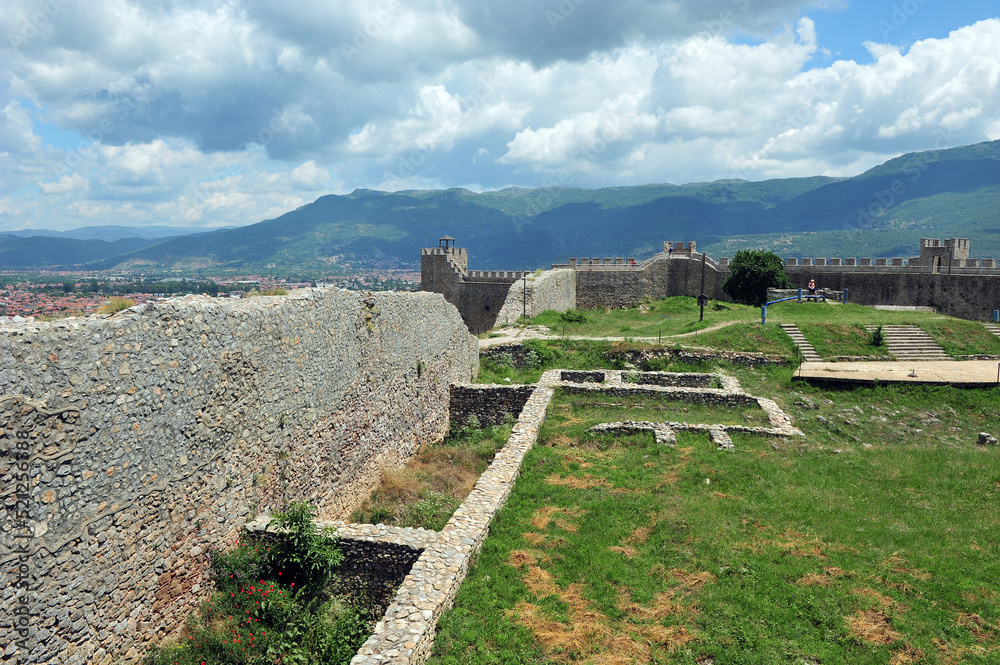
669	386
491	404
152	434
553	289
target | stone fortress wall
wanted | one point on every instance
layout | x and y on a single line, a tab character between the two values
488	298
943	276
131	444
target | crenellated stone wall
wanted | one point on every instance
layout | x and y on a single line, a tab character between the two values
489	298
131	444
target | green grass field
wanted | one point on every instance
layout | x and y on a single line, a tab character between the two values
871	540
834	330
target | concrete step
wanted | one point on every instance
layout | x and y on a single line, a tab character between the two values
911	343
805	348
993	328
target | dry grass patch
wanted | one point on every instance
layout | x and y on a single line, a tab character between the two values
882	601
873	627
663	606
907	656
977	626
626	550
587	636
825	579
639	536
578	483
560	441
953	654
899	565
690	581
547	514
813	579
543	540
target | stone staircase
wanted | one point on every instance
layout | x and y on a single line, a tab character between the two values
808	352
911	343
993	328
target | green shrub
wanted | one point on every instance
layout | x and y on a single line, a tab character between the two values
115	304
573	316
878	336
304	554
244	565
268	292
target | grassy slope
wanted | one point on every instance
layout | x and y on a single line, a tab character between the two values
867	541
833	329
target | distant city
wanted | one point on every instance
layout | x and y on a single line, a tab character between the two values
48	297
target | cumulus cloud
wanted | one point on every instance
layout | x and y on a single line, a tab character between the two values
208	113
17	133
66	184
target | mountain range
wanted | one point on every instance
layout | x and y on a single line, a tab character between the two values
882	212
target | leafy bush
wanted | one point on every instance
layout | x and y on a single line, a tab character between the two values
273	604
244	565
573	316
752	273
878	336
304	554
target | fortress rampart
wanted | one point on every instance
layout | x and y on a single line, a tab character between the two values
488	298
942	276
130	445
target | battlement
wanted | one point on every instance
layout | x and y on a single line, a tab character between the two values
935	256
680	247
442	251
496	275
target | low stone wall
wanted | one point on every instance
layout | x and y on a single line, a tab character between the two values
692	395
131	444
491	404
518	354
694	356
581	377
406	634
674	379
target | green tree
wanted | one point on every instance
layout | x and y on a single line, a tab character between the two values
752	273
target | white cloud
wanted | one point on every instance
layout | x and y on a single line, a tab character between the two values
16	131
66	185
310	177
226	114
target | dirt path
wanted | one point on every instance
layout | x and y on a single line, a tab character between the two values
515	335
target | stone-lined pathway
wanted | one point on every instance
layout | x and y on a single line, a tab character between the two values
808	352
406	632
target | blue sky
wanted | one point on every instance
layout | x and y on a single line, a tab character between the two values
844	31
197	113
